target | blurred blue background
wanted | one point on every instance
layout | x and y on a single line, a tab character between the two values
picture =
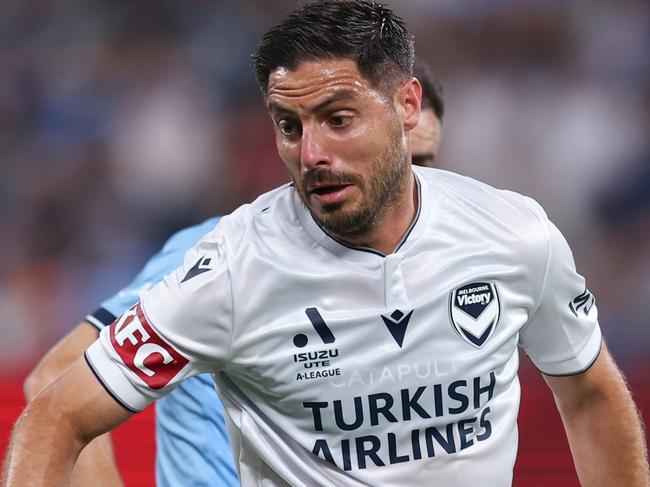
121	122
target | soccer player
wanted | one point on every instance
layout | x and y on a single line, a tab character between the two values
192	446
361	323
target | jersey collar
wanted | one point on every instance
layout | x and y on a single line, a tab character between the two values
358	253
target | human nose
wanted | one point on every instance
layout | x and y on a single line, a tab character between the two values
312	151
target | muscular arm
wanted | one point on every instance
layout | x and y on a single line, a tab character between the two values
603	426
55	427
96	464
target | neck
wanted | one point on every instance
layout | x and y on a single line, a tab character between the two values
388	233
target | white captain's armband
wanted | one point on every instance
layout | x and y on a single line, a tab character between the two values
143	351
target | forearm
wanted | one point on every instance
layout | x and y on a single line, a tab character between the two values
96	465
603	426
55	427
43	449
607	443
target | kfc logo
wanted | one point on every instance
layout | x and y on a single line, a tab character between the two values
143	351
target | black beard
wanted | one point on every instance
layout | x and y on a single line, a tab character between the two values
384	188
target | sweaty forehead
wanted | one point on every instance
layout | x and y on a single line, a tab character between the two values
313	80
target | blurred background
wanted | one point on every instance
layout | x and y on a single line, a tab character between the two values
121	122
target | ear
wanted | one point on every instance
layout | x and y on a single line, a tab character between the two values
407	100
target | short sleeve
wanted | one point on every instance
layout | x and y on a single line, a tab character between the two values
180	328
563	336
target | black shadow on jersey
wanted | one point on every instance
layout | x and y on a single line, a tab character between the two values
474	311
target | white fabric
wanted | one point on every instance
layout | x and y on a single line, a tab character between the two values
439	409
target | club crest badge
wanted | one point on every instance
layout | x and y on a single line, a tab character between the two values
474	311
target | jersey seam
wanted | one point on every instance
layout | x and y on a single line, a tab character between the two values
416	220
546	269
232	305
257	212
358	248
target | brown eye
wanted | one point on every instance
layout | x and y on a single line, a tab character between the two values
340	120
287	127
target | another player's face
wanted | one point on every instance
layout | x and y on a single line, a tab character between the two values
342	141
425	138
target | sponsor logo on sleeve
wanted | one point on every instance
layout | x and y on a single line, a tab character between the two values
474	311
583	302
143	351
202	265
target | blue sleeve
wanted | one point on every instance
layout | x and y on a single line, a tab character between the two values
162	263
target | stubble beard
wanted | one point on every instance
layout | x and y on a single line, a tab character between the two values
380	195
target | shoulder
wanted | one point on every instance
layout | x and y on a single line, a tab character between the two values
480	201
471	194
187	237
479	211
268	214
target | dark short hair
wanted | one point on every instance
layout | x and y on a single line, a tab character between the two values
373	35
431	88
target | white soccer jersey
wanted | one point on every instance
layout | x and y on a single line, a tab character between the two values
340	366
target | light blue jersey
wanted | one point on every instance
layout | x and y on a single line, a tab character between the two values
192	446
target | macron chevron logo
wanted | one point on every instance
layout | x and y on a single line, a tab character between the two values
201	266
396	324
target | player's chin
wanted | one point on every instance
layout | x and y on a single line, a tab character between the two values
330	209
342	221
329	213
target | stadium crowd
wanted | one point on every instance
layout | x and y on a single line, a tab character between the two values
120	123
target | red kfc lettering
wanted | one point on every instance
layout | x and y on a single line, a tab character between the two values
143	351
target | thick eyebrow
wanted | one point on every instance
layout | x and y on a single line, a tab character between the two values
276	108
